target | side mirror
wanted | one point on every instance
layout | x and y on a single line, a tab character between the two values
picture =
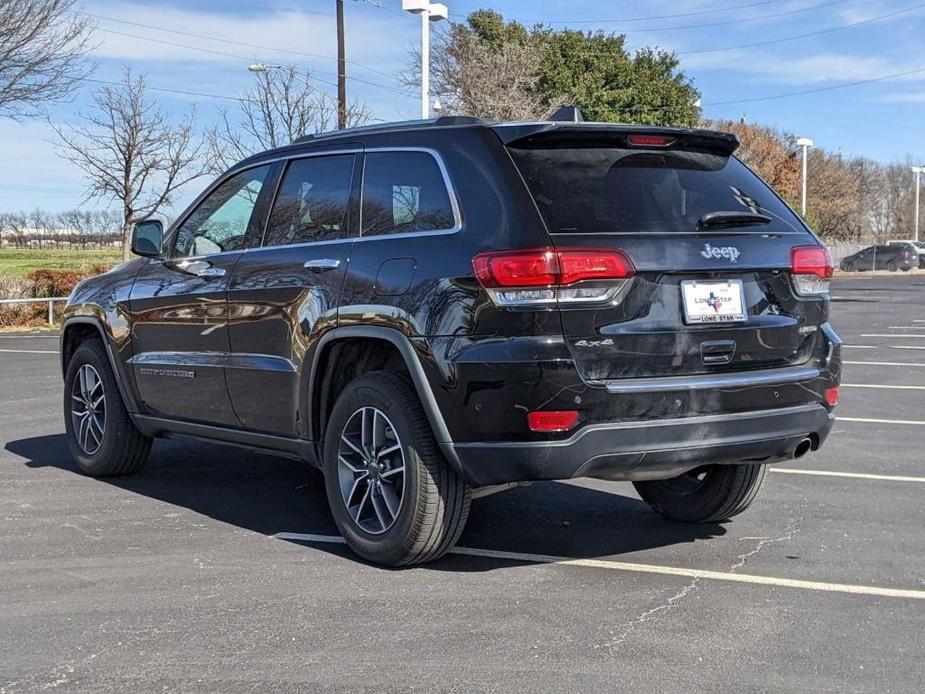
148	238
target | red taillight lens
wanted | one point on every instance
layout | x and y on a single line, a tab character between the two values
649	140
545	267
811	260
580	265
552	420
831	396
535	268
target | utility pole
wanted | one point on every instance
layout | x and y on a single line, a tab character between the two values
430	12
341	69
918	171
804	143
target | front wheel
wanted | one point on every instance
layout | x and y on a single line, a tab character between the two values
103	440
707	494
394	498
891	266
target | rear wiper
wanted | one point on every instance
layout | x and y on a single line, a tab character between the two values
713	220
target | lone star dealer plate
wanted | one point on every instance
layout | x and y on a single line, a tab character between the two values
713	302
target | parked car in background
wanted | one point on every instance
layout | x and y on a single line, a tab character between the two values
883	257
919	247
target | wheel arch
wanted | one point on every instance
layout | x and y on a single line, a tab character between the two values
399	347
79	329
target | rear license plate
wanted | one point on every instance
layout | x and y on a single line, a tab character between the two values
713	302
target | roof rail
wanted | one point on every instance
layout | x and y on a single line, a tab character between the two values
443	121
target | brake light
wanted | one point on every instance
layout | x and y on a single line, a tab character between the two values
552	420
831	396
541	276
811	268
649	140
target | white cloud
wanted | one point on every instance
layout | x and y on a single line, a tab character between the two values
34	175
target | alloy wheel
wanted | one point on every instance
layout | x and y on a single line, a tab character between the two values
88	409
371	470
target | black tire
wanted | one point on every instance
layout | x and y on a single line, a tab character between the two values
707	494
435	500
122	449
906	268
847	266
891	266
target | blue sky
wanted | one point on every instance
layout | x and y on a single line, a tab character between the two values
881	119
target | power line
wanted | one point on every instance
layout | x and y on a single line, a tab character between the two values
796	37
676	15
233	55
745	20
173	91
237	43
817	90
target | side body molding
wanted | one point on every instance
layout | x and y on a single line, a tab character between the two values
415	370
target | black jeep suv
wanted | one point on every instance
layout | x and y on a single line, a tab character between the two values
437	309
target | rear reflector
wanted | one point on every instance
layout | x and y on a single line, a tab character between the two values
831	396
552	420
649	140
811	268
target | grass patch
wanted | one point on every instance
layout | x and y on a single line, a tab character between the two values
18	262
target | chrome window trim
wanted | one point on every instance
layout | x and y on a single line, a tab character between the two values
447	181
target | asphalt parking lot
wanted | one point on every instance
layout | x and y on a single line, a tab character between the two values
173	579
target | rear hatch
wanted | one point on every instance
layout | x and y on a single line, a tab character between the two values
712	246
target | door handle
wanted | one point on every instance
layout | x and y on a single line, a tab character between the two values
322	264
211	272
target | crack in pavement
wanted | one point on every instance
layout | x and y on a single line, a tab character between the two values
666	606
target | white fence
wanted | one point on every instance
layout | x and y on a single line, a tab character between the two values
50	301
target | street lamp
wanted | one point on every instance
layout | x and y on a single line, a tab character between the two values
918	171
804	143
263	67
430	12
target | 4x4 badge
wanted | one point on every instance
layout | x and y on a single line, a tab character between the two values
729	252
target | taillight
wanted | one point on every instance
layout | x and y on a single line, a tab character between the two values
552	420
831	396
811	268
545	276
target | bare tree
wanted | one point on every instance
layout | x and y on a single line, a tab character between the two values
473	78
43	44
131	153
282	106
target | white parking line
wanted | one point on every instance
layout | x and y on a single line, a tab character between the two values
866	385
880	421
859	346
889	335
907	327
29	351
905	347
850	475
849	588
55	337
881	363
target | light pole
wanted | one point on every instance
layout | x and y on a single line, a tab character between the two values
918	171
804	143
430	12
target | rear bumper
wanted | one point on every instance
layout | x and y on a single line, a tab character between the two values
655	449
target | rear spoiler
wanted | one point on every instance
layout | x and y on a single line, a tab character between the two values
563	134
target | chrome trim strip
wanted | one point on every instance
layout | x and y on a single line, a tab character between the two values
763	377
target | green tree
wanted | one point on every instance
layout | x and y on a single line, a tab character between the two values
543	68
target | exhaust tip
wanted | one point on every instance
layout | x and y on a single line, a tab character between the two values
802	448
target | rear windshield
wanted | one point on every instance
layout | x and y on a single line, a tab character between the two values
590	190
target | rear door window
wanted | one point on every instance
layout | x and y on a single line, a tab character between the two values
312	201
593	189
404	192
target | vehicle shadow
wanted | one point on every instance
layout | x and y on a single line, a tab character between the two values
269	495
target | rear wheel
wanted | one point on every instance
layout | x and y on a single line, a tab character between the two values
707	494
103	440
891	266
394	498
